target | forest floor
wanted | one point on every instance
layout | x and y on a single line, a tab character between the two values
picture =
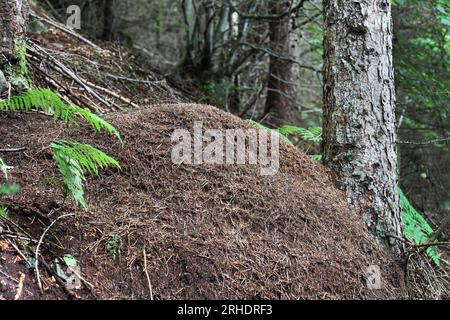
208	231
165	231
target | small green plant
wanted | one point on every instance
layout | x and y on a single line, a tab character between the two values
4	168
269	130
113	244
46	100
216	90
416	228
313	134
6	189
3	212
74	159
20	75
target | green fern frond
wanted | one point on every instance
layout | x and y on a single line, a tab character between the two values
415	227
313	134
4	168
48	101
269	130
97	122
74	159
6	189
39	98
89	158
73	177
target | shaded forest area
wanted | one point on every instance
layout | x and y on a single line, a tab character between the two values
234	72
357	94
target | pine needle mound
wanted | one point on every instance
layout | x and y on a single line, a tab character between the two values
208	231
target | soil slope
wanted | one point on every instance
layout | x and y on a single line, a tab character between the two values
208	231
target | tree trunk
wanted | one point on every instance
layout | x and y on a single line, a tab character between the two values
108	20
13	19
190	20
359	118
280	108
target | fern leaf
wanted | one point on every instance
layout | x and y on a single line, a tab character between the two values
4	168
48	101
6	189
74	159
73	177
415	227
269	130
313	134
89	158
97	122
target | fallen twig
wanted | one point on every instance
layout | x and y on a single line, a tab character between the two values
20	286
16	236
426	245
435	235
14	149
69	292
24	257
36	255
60	88
110	75
8	276
59	66
66	30
123	99
148	277
15	225
422	143
87	283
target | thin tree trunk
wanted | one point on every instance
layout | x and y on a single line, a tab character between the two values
206	64
359	117
280	108
190	20
13	20
108	20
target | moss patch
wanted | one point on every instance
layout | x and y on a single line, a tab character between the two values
18	73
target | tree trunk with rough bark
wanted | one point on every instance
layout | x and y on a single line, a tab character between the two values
13	22
359	118
280	107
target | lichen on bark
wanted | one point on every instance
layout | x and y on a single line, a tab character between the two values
19	75
13	66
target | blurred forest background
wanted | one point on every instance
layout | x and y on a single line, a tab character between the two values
262	60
